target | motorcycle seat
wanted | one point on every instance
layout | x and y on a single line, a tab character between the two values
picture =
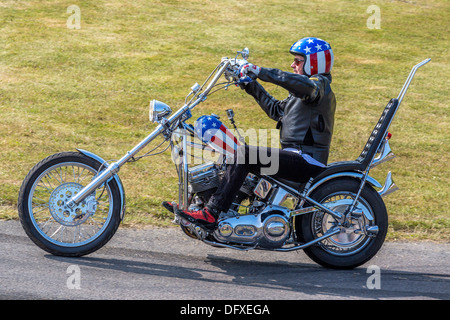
341	166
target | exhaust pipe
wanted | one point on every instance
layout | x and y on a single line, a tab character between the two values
385	154
389	186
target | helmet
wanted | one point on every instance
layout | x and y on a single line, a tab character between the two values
318	55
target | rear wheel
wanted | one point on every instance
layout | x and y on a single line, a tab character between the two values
57	228
359	240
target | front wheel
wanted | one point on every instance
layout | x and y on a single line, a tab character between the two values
359	240
57	228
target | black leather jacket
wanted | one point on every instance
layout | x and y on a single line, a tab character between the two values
306	116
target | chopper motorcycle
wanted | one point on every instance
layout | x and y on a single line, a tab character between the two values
71	203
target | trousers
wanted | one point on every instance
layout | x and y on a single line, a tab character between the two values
272	162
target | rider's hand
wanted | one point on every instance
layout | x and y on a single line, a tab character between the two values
249	70
243	81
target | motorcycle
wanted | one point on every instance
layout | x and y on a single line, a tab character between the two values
71	203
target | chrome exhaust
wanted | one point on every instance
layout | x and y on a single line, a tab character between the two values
389	186
384	155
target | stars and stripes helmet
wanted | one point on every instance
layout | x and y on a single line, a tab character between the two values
317	53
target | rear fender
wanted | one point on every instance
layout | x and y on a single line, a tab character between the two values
356	175
114	177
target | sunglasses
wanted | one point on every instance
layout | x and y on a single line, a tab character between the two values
298	61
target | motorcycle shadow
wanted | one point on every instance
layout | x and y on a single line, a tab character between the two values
253	278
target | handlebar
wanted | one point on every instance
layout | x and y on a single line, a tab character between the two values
229	67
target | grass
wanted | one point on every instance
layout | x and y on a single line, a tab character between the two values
62	89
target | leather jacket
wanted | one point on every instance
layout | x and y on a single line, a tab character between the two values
306	116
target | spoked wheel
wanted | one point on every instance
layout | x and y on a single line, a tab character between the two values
56	227
362	236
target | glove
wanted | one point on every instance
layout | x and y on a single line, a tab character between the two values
243	81
248	72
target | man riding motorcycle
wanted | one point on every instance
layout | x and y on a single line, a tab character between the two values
305	119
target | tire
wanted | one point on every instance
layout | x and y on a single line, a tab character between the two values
352	247
62	231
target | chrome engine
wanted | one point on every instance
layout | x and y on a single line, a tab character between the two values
267	222
204	177
269	228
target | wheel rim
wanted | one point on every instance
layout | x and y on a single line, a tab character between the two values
59	224
352	238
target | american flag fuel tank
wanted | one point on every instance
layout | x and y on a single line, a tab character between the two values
215	134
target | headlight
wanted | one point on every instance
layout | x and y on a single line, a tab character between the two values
158	110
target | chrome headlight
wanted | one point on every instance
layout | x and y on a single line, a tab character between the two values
158	110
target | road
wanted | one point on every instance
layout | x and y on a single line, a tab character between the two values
164	264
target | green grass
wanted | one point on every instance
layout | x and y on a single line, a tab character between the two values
62	89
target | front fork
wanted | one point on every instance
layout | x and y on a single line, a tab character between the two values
183	174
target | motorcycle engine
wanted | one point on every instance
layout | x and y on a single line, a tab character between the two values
266	226
269	228
205	178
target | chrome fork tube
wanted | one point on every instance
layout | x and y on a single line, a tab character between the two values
185	173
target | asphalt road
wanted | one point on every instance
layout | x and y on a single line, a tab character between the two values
164	264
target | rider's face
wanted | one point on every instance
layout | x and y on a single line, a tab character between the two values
297	65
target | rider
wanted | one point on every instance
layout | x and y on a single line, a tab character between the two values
305	119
